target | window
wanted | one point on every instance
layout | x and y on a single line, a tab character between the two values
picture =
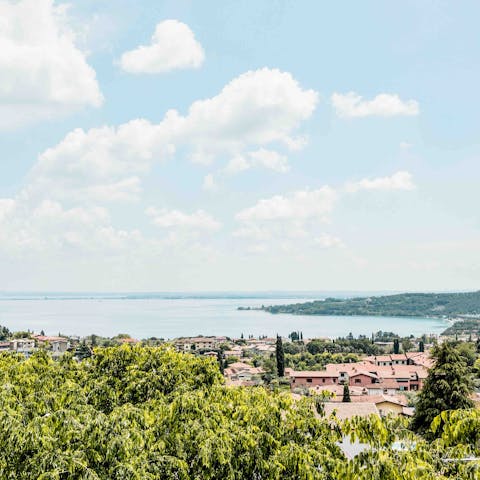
323	380
358	380
309	380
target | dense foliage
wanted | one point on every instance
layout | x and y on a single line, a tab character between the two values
149	413
447	387
466	326
405	304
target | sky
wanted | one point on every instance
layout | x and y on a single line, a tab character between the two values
236	145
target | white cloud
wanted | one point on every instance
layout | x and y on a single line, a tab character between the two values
105	163
262	157
256	108
50	227
398	181
328	241
236	165
42	73
61	212
300	205
198	220
270	159
173	47
383	105
6	207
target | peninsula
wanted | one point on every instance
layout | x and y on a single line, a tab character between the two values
400	305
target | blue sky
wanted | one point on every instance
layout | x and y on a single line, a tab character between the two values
239	145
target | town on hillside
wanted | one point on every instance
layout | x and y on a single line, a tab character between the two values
380	374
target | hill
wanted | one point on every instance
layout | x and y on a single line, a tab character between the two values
401	305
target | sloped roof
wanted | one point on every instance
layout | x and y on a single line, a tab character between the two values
344	410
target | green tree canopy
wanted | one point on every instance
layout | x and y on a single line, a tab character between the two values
447	387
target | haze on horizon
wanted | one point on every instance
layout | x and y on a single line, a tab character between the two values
221	146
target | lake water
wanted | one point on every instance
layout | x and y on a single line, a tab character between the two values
169	316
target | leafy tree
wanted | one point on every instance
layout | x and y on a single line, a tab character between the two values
447	387
4	333
280	356
407	345
152	413
21	334
346	394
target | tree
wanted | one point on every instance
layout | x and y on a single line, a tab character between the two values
221	363
407	345
396	346
346	394
280	355
447	387
421	346
4	333
294	336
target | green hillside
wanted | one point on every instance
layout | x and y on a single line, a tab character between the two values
402	305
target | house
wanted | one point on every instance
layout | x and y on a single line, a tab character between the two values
23	345
4	346
199	343
312	378
127	341
336	391
234	353
377	379
346	410
242	372
386	404
211	354
57	345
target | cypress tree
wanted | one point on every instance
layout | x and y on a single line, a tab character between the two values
447	387
221	363
346	394
421	346
396	346
280	354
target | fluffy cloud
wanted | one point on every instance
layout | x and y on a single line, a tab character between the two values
198	220
269	159
61	212
106	163
300	205
383	105
255	109
100	165
49	226
173	47
42	72
398	181
292	222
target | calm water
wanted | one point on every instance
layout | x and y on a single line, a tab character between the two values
169	316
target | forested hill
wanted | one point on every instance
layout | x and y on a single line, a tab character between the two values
402	305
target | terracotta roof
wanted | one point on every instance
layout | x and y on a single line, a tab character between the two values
46	338
337	390
313	374
344	410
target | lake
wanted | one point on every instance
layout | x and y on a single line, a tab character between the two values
173	315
